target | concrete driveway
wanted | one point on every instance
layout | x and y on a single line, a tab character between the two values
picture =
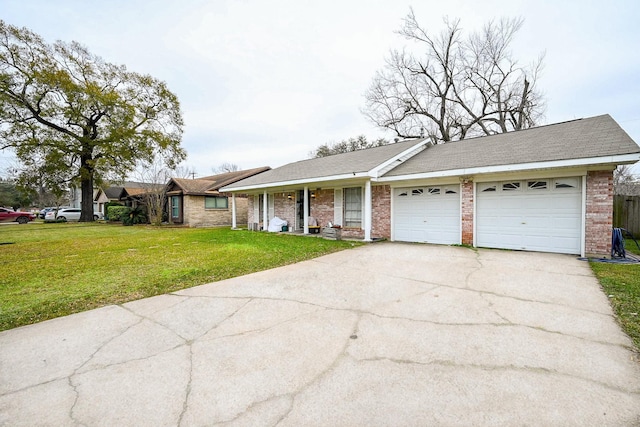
384	334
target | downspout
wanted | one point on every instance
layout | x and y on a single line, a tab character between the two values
583	228
367	211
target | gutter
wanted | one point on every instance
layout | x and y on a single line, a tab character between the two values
296	182
590	161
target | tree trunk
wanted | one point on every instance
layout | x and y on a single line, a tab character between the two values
86	187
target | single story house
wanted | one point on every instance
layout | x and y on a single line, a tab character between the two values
118	193
199	203
548	188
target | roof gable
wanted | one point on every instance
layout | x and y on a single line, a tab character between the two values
351	163
211	184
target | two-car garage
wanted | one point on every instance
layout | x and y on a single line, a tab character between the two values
527	214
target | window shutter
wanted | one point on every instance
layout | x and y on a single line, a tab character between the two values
337	206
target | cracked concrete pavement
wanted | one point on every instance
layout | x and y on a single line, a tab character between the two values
384	334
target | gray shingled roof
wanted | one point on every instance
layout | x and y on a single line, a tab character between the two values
338	164
594	137
598	136
211	184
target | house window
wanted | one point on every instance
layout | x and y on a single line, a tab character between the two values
417	191
353	207
434	190
510	186
216	202
567	183
537	185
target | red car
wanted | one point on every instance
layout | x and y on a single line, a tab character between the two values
7	215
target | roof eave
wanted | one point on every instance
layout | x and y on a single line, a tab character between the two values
295	182
590	161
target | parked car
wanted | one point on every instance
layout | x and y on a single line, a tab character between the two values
44	211
9	215
68	214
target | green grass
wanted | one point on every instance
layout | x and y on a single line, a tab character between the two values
621	283
51	270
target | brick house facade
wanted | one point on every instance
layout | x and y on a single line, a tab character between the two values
598	208
196	214
199	203
546	189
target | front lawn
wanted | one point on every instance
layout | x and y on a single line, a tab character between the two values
621	283
51	270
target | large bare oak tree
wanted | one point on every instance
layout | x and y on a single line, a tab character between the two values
455	87
73	118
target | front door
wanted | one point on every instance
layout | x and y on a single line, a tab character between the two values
176	209
300	209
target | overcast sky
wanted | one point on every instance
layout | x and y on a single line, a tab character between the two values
263	83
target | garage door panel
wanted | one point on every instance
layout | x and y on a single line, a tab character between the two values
531	216
427	214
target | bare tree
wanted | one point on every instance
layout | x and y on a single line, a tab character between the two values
225	167
153	177
184	171
624	182
458	87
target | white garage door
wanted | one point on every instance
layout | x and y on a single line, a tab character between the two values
427	214
537	214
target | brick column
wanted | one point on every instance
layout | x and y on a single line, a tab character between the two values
381	226
467	212
599	213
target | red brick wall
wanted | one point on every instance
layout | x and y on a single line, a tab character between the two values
599	213
322	206
285	208
467	207
381	212
250	218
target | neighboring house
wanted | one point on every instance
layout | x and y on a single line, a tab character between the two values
128	194
548	189
199	203
75	198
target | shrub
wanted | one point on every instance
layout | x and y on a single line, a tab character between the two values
116	213
134	216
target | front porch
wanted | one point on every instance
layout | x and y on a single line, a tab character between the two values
309	210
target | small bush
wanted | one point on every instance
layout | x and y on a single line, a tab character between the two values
107	206
134	216
116	213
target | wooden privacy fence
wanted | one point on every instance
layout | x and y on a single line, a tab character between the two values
626	213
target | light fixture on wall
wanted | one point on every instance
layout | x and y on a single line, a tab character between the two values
313	194
289	197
